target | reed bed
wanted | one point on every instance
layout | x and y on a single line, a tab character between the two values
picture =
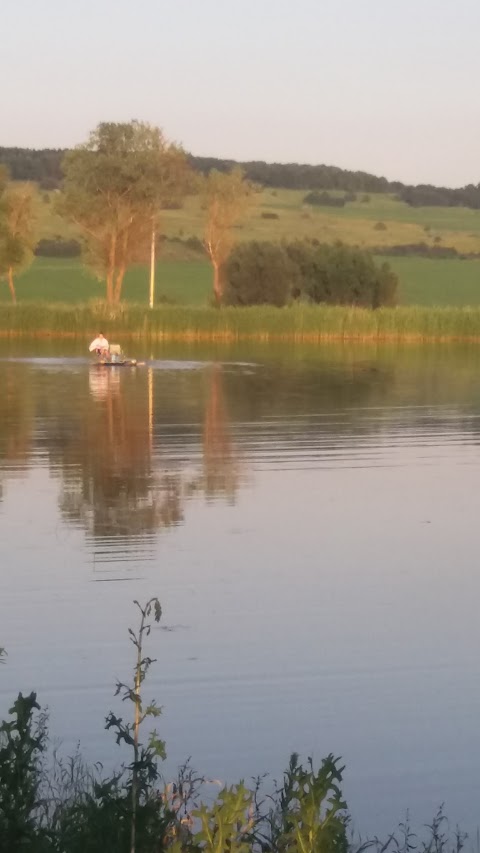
261	323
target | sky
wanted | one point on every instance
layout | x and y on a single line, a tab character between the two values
384	86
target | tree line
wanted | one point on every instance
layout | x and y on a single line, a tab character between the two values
44	166
425	195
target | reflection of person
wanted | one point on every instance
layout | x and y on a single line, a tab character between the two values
99	345
103	383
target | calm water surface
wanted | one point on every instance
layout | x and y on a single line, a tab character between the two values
308	518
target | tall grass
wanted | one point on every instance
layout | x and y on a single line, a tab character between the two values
264	323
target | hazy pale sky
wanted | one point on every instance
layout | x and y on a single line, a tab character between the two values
386	86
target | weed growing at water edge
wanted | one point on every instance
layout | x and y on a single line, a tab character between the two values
22	743
143	768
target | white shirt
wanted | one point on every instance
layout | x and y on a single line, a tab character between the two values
98	343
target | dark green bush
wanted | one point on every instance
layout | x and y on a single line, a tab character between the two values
58	248
380	226
324	199
267	214
259	273
342	275
423	250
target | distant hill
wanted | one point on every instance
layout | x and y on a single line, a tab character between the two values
44	167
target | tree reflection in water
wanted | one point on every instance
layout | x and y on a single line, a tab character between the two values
16	420
110	484
220	462
120	481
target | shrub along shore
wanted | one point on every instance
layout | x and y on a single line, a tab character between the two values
307	323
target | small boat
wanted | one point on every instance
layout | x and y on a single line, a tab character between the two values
116	358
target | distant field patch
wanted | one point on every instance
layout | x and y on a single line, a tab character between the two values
437	282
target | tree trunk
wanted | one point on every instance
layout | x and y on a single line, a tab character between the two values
121	258
11	285
118	284
217	284
109	286
111	269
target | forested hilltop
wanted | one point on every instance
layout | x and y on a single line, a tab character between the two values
44	167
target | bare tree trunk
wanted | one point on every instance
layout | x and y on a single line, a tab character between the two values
118	284
121	264
111	269
217	284
110	286
11	285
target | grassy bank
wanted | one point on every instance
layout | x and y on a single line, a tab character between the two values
264	323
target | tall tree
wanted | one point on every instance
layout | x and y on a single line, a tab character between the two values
17	231
226	199
114	188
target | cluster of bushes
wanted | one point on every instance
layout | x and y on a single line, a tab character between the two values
259	273
324	199
58	248
423	250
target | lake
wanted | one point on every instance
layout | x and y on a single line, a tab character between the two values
308	518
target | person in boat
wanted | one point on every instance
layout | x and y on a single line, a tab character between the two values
100	346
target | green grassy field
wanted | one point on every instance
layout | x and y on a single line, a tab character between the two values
422	282
437	282
67	281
